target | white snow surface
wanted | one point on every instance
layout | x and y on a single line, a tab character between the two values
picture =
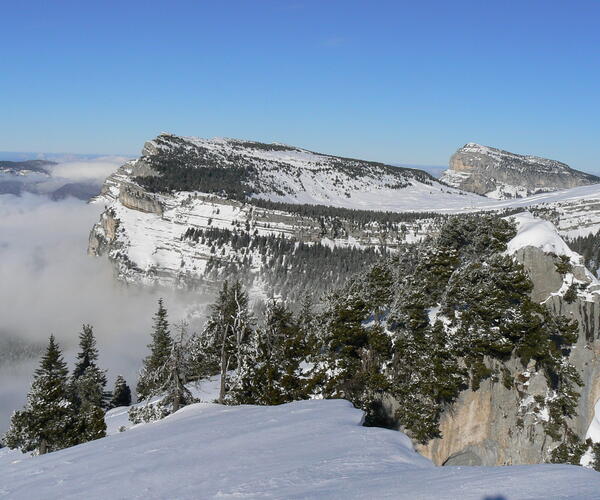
306	449
539	233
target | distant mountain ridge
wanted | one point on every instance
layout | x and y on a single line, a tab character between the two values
191	211
36	176
24	167
501	174
245	170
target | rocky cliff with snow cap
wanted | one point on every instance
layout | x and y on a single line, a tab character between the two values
190	211
500	174
507	423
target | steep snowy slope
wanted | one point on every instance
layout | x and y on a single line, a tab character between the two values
307	449
500	174
282	173
189	211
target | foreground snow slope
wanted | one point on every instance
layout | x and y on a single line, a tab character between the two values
307	449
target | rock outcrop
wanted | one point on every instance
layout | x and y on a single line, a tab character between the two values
503	422
500	174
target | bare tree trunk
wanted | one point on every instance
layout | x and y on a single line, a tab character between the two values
223	373
43	447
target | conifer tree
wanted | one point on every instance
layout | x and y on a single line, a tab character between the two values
88	353
160	349
350	359
121	395
596	452
227	330
270	372
176	372
46	423
89	401
92	389
169	382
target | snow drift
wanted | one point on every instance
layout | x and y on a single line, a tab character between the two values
306	449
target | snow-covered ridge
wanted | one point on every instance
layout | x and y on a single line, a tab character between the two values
143	232
306	449
294	175
537	162
542	234
501	174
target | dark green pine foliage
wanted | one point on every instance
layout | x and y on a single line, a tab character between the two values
121	395
160	348
88	384
596	453
88	351
350	358
270	369
46	423
88	381
228	329
89	408
170	379
379	336
175	373
589	247
570	450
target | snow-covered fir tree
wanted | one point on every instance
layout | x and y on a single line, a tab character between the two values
46	423
160	349
88	381
349	358
169	382
270	366
121	395
227	330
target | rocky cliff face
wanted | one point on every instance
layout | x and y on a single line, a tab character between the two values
155	234
503	424
500	174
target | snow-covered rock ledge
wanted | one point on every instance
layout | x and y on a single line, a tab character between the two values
306	449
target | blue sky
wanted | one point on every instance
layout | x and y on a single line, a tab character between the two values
405	82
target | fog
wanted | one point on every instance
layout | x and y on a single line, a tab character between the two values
48	284
90	172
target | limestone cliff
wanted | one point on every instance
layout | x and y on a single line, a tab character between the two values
503	422
500	174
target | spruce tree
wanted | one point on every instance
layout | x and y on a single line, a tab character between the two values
349	360
88	353
270	369
46	423
89	403
92	389
596	452
121	395
170	383
160	349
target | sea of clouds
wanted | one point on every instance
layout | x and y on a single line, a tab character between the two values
49	285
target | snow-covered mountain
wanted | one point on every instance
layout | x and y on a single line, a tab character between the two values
246	170
189	209
500	174
306	449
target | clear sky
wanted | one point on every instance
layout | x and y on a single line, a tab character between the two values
405	82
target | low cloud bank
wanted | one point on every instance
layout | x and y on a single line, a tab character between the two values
91	171
48	284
